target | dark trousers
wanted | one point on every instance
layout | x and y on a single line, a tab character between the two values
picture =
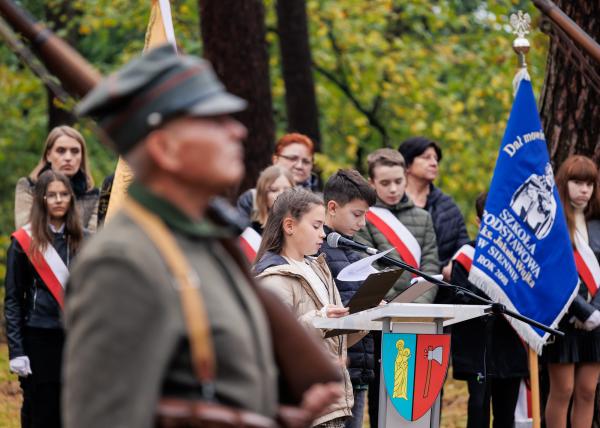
503	394
41	389
373	394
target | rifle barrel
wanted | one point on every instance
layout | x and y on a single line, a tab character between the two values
76	74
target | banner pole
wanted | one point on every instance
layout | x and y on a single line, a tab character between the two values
159	31
534	380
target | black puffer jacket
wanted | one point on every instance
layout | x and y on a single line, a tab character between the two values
360	355
448	222
28	302
245	204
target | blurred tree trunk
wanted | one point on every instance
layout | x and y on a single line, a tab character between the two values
60	17
233	35
570	106
296	62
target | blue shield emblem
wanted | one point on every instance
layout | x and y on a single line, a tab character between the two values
414	370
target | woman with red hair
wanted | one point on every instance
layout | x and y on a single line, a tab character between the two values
295	153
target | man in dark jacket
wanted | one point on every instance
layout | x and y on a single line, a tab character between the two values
348	197
422	157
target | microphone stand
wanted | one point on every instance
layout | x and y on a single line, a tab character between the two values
496	308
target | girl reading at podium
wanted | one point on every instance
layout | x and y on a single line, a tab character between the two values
292	234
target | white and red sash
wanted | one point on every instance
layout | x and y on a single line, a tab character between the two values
587	264
523	408
250	241
50	267
397	234
464	256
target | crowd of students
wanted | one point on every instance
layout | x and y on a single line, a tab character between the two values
398	207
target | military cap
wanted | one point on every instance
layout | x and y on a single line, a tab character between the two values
152	89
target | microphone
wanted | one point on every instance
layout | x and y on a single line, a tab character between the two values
335	240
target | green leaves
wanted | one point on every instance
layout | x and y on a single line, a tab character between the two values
385	70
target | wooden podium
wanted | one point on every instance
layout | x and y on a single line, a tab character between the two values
406	320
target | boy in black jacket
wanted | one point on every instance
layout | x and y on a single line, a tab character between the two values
348	197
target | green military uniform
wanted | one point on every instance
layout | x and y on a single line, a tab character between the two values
122	306
127	343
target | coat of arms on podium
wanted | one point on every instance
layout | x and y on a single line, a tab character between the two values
414	370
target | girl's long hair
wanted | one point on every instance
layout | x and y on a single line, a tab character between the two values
266	178
579	168
55	134
41	236
292	203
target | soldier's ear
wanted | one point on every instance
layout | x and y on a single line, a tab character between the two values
163	150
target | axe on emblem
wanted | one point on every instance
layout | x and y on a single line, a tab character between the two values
432	355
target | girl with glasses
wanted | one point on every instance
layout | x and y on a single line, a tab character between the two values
37	270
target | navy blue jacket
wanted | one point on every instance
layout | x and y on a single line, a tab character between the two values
360	355
267	260
448	222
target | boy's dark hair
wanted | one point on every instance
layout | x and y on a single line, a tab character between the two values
347	185
480	204
385	157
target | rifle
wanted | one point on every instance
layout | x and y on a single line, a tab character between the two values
76	74
302	361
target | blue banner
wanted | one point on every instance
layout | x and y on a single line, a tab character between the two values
523	254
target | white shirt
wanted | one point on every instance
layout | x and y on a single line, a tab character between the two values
580	224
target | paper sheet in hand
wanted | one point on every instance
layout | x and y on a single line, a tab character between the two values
360	270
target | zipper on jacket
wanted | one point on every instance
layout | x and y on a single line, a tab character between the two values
35	290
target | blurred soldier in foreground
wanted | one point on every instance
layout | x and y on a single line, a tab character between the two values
130	332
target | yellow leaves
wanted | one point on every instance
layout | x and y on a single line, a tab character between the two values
360	121
352	146
85	29
437	128
418	127
328	165
458	107
184	9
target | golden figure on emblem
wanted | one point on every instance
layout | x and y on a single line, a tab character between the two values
401	371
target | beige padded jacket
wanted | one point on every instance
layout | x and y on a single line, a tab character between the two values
294	289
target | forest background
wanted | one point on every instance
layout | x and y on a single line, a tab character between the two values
383	71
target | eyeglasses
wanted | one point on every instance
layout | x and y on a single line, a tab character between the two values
296	159
59	196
